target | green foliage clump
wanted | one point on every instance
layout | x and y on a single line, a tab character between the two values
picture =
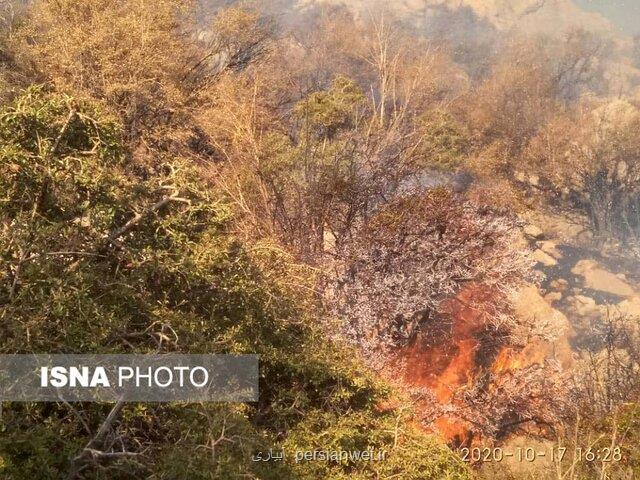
619	433
325	112
315	178
444	142
405	453
99	254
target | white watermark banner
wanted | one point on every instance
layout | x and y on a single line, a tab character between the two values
132	378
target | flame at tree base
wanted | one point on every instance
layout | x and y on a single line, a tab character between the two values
448	363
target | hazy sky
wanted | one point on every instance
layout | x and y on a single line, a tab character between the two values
623	13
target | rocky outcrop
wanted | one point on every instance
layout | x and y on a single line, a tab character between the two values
533	232
544	258
630	307
528	16
551	327
599	279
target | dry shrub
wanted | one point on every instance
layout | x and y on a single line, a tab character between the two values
515	101
498	193
589	156
144	59
608	371
497	405
413	254
130	54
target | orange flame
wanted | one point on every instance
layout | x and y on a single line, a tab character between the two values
448	363
509	360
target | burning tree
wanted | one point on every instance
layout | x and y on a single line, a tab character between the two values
416	252
499	403
426	291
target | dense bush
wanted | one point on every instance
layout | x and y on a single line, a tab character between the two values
101	255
